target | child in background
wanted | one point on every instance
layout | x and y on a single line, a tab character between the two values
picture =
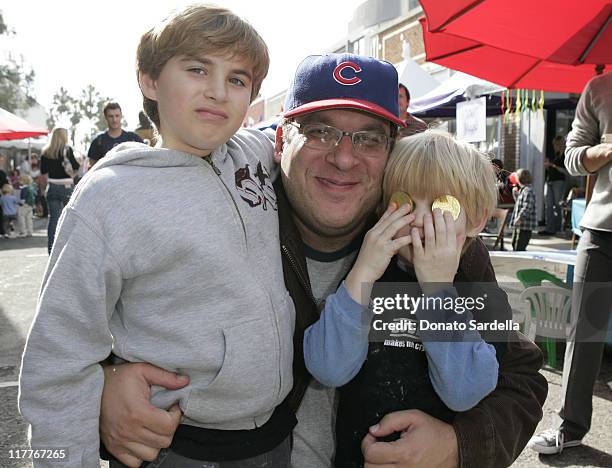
524	214
25	211
10	205
202	295
440	254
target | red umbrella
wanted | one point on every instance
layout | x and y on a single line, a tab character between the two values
15	128
546	44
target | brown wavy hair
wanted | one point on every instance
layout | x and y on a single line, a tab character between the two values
198	30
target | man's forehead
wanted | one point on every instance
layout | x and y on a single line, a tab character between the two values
345	117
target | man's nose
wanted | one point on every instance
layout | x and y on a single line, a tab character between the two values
343	154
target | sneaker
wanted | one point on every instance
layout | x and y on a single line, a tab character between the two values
551	441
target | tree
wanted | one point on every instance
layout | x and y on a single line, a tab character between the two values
84	113
15	80
62	109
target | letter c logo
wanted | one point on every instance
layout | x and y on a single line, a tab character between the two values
338	75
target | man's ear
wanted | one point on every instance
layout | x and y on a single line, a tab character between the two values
278	145
148	86
477	229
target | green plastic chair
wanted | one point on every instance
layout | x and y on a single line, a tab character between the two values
534	277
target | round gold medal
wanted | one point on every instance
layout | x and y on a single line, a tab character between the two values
447	203
402	198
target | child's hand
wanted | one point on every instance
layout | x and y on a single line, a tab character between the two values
436	260
378	249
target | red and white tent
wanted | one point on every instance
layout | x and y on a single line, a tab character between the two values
16	128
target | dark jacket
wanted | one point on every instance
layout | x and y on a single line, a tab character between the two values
493	433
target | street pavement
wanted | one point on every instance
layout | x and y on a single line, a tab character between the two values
22	264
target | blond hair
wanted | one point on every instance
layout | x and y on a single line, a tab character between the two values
432	163
7	189
57	141
25	179
198	30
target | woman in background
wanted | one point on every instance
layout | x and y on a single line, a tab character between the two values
59	183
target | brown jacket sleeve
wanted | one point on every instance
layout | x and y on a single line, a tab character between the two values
495	432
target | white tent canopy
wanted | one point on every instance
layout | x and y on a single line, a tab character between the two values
458	85
411	75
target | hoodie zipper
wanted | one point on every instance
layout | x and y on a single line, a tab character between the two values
216	170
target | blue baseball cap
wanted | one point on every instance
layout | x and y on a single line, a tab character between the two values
336	81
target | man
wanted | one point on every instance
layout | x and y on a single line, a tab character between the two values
106	141
325	203
413	124
554	188
589	151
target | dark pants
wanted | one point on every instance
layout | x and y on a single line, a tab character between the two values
520	239
278	457
57	198
585	345
553	191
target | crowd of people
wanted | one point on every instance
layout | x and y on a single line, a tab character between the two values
148	347
41	186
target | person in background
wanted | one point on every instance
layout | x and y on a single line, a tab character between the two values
504	187
59	183
524	215
589	151
14	178
107	140
145	130
554	189
10	204
25	226
40	183
413	124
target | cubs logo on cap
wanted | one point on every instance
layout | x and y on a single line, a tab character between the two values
337	81
340	78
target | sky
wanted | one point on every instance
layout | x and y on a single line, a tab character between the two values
76	43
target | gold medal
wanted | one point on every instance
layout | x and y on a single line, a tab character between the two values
447	203
402	198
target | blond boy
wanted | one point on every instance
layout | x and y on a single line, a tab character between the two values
170	255
433	254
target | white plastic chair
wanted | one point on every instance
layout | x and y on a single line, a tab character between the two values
551	307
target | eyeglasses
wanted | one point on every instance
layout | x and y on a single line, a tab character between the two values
324	137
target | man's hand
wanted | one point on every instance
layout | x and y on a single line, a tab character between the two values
425	442
131	428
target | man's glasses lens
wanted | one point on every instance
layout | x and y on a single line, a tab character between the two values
325	137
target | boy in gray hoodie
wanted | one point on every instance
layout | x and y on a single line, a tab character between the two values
169	255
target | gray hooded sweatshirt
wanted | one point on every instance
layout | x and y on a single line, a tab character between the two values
166	258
